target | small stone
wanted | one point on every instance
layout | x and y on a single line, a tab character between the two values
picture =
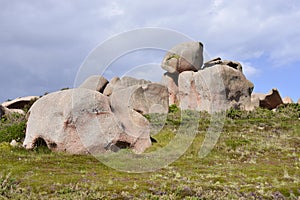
14	143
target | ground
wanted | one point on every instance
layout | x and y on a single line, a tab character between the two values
256	157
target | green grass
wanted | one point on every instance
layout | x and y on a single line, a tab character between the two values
256	156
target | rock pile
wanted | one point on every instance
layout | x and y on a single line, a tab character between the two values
103	115
218	82
84	120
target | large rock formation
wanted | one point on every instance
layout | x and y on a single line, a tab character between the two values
83	120
135	124
269	101
133	98
79	121
220	81
96	82
20	103
298	101
184	57
6	111
219	85
144	97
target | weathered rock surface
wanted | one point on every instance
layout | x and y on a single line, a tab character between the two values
6	111
127	81
212	62
110	86
184	57
150	98
79	121
219	61
219	80
170	80
96	82
213	89
20	103
287	100
18	111
123	83
144	97
298	101
269	101
132	98
136	126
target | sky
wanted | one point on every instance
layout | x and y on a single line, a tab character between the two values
44	43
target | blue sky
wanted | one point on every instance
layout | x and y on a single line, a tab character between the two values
43	43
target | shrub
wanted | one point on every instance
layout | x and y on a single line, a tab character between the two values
13	132
28	106
233	113
173	108
12	127
289	110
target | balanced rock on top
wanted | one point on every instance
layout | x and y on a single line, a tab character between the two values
184	57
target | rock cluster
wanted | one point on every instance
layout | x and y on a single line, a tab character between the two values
103	115
84	120
218	82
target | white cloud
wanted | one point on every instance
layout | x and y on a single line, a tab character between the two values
110	10
249	70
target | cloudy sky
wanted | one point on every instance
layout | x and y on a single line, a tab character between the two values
44	43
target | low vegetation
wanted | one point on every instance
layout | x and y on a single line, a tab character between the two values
12	127
257	156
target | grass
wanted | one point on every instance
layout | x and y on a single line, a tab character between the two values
256	156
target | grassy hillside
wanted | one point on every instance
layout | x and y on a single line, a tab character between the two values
256	156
